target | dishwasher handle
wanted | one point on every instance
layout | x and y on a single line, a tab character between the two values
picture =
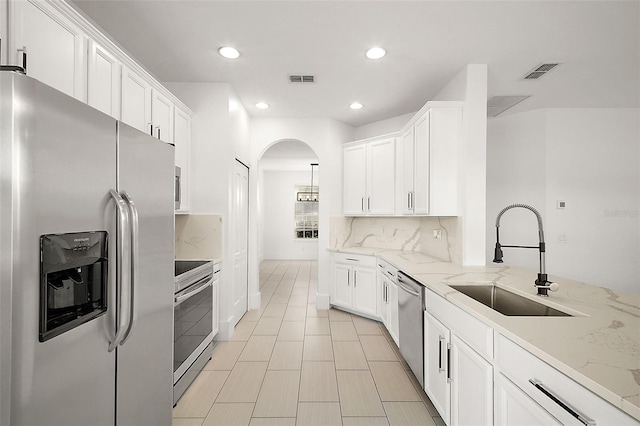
408	289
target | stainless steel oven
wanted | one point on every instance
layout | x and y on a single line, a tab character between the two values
192	322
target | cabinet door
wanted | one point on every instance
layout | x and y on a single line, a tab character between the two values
392	306
514	407
382	297
436	365
381	174
364	291
54	47
182	140
103	80
406	163
471	386
162	116
444	134
355	183
136	101
341	285
422	166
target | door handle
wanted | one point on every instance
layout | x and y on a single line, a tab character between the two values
362	204
368	203
121	276
448	362
440	340
355	278
134	256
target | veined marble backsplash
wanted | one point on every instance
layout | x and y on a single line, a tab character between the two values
398	233
198	237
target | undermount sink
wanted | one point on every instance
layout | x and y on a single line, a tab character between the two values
508	303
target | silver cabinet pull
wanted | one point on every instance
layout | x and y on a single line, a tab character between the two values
352	259
562	403
409	200
348	278
133	278
355	278
122	250
368	203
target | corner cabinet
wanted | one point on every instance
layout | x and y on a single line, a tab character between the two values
353	283
369	178
427	162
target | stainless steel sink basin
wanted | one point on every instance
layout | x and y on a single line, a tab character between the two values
508	303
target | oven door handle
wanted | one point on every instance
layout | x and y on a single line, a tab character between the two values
197	289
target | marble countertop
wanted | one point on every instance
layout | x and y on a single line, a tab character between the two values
598	347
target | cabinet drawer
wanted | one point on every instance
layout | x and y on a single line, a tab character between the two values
474	332
387	269
355	259
549	388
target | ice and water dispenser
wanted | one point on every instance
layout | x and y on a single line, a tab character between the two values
73	280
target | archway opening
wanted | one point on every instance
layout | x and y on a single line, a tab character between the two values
288	202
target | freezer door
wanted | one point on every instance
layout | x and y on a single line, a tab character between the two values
58	164
145	368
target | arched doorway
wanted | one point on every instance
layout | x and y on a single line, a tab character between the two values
288	202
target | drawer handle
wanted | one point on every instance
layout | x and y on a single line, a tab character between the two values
565	405
352	259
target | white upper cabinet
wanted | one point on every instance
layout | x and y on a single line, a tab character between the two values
182	140
53	46
428	163
136	100
369	178
355	180
162	116
103	80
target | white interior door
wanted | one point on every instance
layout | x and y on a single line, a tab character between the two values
240	241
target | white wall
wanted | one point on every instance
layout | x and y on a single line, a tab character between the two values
278	213
325	137
586	157
219	135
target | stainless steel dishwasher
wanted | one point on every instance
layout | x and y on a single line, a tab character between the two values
411	318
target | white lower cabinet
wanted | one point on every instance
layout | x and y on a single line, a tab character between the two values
545	393
437	383
354	283
514	407
216	307
458	380
471	386
388	298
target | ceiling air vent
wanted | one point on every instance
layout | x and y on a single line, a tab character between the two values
499	104
302	79
540	70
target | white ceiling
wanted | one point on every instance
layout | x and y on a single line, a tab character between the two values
428	42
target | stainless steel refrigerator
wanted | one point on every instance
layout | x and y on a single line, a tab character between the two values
86	265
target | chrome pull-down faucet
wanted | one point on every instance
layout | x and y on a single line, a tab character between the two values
542	284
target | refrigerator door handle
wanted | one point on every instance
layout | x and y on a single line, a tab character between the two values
121	276
133	277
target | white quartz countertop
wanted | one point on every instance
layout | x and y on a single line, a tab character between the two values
599	347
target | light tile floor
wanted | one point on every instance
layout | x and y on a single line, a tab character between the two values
291	364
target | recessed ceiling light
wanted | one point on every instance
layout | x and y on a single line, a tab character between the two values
376	53
262	105
356	105
229	52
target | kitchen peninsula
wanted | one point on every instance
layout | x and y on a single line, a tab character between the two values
597	346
